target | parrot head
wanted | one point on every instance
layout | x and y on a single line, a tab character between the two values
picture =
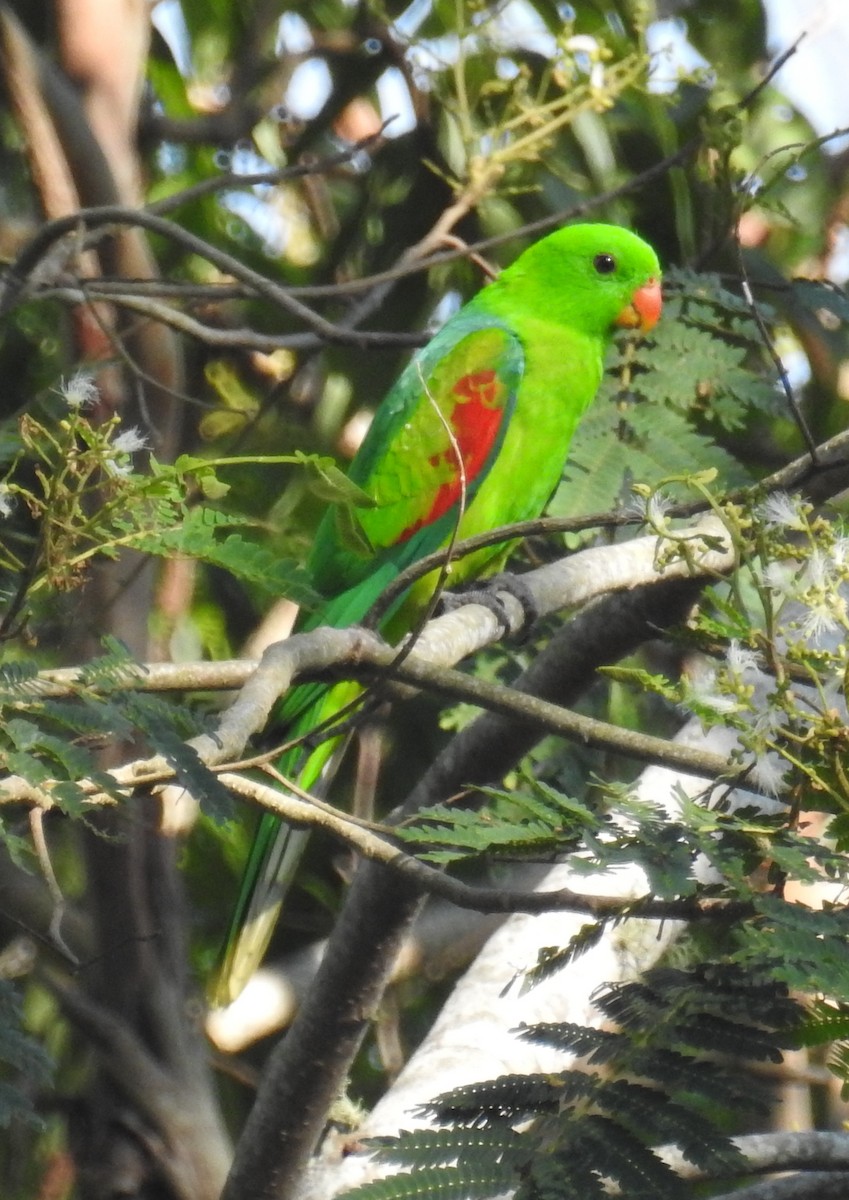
592	277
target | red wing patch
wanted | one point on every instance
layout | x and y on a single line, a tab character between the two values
475	421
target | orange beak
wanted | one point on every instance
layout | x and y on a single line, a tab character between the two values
643	312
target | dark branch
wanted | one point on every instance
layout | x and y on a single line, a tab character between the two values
294	1096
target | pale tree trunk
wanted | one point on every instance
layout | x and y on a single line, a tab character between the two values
474	1038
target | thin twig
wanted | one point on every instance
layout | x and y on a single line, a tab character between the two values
773	69
769	344
36	824
232	179
445	566
832	454
111	215
475	897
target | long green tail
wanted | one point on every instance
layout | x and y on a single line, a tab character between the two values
277	847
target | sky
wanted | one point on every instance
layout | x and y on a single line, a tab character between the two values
814	79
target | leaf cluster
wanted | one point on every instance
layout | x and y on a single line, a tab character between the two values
664	1071
74	496
668	405
712	844
531	820
52	743
24	1065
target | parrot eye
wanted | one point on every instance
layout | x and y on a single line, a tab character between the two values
605	264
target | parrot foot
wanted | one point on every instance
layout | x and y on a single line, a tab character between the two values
488	596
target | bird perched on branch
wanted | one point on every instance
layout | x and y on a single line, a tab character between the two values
473	435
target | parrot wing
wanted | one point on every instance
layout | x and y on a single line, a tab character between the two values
428	449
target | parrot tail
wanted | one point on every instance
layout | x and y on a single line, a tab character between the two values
259	905
277	846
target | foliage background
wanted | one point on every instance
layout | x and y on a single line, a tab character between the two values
260	256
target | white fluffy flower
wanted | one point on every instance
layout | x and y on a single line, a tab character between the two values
840	552
782	511
129	440
821	618
741	660
6	501
703	692
651	509
770	773
80	391
115	468
770	721
821	571
657	508
779	577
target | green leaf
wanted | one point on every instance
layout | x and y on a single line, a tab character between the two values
198	538
552	959
351	532
536	818
615	447
660	1078
643	681
23	1055
18	848
817	294
159	722
622	1156
824	1022
15	680
449	1183
437	1147
237	405
331	484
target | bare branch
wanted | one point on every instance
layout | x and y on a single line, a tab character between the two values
571	582
195	1156
36	824
479	899
780	1151
110	216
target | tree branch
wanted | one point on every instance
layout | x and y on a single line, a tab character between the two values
107	216
307	1069
474	897
171	1096
831	456
780	1151
570	582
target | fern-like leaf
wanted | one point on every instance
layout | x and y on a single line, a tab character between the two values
824	1022
664	1077
536	818
19	1053
438	1147
485	1180
197	537
512	1097
552	959
624	1158
159	722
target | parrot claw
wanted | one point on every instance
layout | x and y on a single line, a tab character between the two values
488	597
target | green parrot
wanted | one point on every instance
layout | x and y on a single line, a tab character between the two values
473	435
